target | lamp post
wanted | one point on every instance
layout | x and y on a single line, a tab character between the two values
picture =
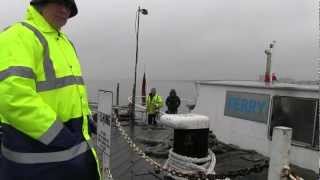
144	12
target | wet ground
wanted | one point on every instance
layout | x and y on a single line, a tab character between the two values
156	141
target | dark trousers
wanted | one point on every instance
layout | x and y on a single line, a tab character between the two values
172	111
81	167
0	143
152	119
0	147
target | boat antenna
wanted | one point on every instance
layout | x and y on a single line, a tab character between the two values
268	52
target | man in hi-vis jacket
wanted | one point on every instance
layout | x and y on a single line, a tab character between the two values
43	99
154	104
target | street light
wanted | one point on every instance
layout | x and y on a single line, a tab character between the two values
144	12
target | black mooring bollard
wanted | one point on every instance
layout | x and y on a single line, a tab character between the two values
190	134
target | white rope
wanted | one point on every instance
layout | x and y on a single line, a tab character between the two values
189	165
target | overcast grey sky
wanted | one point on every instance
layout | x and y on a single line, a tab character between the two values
191	39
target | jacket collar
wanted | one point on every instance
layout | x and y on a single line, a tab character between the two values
39	21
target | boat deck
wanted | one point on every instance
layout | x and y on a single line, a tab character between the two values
127	165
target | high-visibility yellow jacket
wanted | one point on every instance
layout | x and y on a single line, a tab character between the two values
0	131
154	103
43	101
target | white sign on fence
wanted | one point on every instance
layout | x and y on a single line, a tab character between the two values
104	127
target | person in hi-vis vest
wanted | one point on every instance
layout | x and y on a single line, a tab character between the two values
43	99
154	104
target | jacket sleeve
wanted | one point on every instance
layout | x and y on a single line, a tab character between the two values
179	102
167	101
21	106
159	102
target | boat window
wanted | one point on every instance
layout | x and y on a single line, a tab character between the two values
298	113
249	106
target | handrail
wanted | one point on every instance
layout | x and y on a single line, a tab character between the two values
161	112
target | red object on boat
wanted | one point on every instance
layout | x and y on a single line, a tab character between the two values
267	78
274	77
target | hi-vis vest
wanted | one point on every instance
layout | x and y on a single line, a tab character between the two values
43	98
154	103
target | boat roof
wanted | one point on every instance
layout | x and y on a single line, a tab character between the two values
262	85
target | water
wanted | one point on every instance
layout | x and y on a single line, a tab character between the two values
186	90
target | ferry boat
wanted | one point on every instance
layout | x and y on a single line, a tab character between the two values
243	113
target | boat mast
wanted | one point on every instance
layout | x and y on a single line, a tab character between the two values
268	52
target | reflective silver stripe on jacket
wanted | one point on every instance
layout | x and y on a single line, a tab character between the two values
47	64
59	83
49	157
51	82
51	133
17	71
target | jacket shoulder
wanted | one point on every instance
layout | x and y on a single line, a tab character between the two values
18	44
16	32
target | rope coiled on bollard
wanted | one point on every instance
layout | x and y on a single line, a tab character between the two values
189	165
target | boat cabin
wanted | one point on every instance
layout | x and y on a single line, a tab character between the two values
244	113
